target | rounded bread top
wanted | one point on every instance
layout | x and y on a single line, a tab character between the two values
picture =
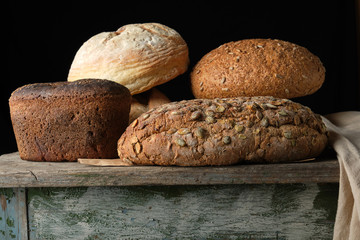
257	67
80	88
223	131
138	56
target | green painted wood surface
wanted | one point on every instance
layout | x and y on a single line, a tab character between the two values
13	215
274	211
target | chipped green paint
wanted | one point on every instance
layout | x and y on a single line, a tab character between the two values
12	234
8	193
10	222
50	193
13	214
276	211
193	212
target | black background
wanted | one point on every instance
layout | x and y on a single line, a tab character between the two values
41	40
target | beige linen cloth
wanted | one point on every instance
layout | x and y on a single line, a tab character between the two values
344	129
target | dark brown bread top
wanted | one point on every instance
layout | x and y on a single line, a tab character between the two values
223	131
83	87
257	67
65	121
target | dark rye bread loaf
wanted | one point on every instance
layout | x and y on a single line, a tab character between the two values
64	121
222	132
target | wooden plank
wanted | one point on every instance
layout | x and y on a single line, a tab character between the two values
277	211
15	172
13	214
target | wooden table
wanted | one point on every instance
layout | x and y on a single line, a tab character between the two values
41	200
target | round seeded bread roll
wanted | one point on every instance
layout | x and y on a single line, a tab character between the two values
257	67
224	131
138	56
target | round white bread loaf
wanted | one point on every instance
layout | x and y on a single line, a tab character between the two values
138	56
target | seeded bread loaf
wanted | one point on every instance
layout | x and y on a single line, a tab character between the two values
65	121
257	67
222	132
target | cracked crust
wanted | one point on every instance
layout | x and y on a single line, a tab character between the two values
138	56
225	131
257	67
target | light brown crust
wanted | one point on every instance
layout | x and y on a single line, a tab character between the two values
143	102
138	56
157	98
257	67
222	132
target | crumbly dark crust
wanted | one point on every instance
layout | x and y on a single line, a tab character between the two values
257	67
80	88
224	131
65	121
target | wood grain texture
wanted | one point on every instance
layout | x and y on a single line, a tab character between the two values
13	214
259	212
15	172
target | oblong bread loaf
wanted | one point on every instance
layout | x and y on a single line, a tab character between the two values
222	132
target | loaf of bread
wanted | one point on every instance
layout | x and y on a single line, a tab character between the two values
222	132
138	56
257	67
65	121
145	101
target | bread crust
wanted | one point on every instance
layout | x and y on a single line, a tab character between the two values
257	67
138	56
65	121
225	131
143	102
